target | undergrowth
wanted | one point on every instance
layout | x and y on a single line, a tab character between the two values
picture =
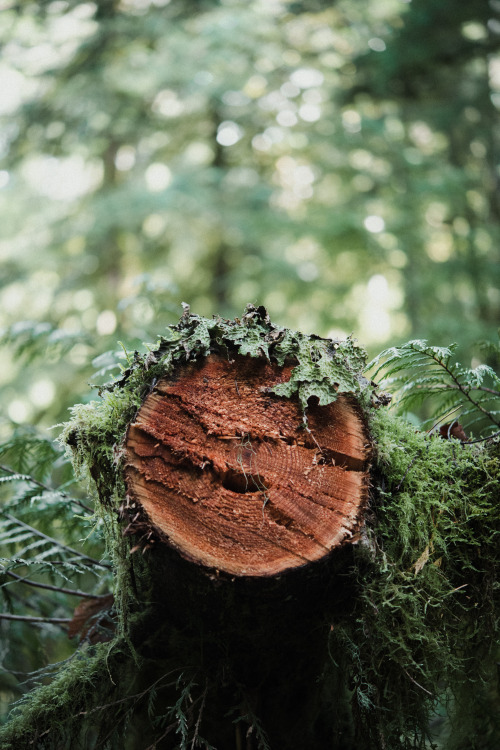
426	624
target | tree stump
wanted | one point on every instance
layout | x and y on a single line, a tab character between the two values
237	479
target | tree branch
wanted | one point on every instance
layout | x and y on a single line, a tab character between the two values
72	592
464	390
481	440
56	542
28	618
29	478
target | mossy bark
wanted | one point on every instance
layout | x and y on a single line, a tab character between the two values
365	647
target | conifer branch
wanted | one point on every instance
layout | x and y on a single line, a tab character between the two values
50	587
56	542
481	439
466	391
29	618
37	483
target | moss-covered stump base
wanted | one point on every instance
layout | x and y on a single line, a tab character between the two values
260	644
233	477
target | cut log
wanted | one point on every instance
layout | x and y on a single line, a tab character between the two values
235	479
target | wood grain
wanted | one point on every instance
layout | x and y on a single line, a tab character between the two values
231	478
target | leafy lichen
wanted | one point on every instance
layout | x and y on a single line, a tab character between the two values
323	369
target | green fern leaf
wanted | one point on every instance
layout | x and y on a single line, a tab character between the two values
419	374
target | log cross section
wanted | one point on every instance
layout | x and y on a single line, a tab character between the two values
229	475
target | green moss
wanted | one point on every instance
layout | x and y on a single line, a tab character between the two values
54	715
426	619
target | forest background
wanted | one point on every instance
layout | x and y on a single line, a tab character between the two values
337	162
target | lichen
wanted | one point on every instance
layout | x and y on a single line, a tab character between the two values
329	366
324	368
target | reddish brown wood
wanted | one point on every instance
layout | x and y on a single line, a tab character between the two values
228	475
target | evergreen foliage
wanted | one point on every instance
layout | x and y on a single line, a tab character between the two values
335	162
421	373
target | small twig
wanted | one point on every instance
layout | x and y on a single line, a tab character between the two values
36	584
200	714
308	429
407	470
28	618
450	387
463	586
487	390
56	542
136	696
447	415
167	731
21	561
416	683
481	440
29	478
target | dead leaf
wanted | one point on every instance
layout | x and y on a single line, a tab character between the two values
86	617
453	430
424	557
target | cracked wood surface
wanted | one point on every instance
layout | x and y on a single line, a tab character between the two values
228	474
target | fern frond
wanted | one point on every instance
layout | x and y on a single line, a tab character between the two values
417	352
41	529
418	374
52	567
109	363
14	529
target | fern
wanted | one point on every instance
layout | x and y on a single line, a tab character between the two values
25	451
109	363
32	339
43	570
420	374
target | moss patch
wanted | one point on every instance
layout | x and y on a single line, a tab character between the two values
425	630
